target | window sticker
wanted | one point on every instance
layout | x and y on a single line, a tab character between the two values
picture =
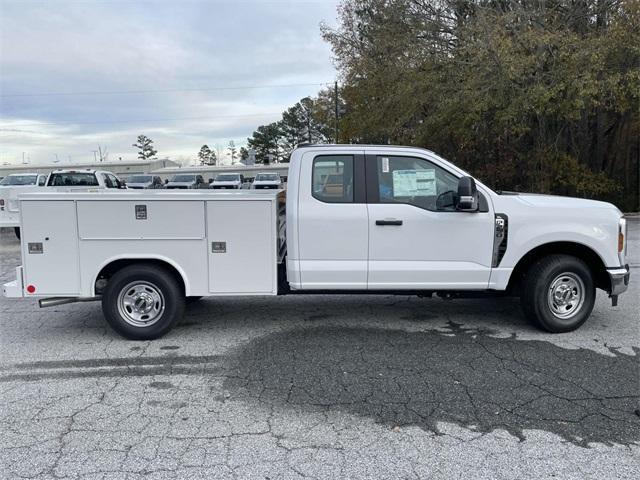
385	164
413	183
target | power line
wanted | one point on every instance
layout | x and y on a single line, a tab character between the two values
167	90
10	128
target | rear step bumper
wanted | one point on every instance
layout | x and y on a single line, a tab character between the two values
14	289
54	301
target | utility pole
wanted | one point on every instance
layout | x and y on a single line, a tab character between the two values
95	155
335	94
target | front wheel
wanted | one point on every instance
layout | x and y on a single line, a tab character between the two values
142	302
558	293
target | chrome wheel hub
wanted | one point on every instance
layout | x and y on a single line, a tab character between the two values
566	295
141	304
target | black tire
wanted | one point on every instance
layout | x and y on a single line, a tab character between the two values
135	288
558	293
16	230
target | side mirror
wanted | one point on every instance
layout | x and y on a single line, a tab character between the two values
467	195
166	180
210	180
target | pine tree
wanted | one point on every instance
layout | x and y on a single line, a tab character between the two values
204	155
145	146
233	151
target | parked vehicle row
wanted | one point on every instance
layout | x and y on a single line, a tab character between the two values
223	181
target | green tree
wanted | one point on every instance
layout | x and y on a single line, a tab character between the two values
233	151
266	141
526	95
302	124
145	147
206	156
244	153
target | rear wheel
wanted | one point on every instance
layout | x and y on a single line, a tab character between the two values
559	293
142	302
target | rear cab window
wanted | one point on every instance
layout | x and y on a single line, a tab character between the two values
114	180
73	179
332	178
19	180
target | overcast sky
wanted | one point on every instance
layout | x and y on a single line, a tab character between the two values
186	56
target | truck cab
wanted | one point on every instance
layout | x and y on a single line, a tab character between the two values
383	218
266	180
142	182
226	181
88	179
185	181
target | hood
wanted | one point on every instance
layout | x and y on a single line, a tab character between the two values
19	186
139	185
180	184
225	182
555	201
267	182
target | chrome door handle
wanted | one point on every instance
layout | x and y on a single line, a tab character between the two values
392	221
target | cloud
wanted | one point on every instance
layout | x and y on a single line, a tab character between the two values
168	49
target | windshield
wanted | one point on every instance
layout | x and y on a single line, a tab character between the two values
73	179
273	177
19	180
139	179
183	178
227	178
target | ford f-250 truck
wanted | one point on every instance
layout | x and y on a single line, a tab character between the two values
359	219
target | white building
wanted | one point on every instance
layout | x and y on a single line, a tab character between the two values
121	168
209	171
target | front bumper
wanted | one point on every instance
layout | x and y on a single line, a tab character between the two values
619	278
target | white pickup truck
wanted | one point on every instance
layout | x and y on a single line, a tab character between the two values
359	219
59	180
10	186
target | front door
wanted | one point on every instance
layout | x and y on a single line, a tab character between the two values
333	222
413	244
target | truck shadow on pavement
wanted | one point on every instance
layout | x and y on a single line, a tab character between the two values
465	377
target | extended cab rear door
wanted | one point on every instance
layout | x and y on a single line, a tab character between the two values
412	243
332	221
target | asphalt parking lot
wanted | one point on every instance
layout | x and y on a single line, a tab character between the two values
321	387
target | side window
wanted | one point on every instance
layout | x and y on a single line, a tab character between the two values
332	178
107	181
412	180
114	181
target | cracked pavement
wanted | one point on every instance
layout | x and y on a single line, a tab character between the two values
321	387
